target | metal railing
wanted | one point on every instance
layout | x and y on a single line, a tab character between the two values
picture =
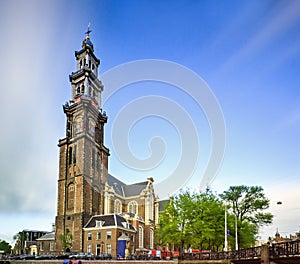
276	250
247	253
285	249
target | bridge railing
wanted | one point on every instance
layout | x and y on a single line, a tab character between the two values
290	248
276	250
247	253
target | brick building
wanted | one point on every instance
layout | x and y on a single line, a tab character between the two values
94	208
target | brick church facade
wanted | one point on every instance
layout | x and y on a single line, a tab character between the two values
94	208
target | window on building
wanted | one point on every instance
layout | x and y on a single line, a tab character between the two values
118	207
70	203
69	129
99	223
70	196
98	236
133	207
108	248
74	154
51	247
151	238
89	236
89	248
93	158
70	155
141	237
98	249
108	235
151	207
41	246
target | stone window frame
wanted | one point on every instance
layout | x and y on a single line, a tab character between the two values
108	235
133	207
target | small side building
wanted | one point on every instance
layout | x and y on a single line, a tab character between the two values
46	244
103	233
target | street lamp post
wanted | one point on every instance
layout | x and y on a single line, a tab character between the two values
236	235
225	238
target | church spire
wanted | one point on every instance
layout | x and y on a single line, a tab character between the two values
87	41
89	30
85	79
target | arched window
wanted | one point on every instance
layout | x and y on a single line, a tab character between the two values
141	237
118	207
133	207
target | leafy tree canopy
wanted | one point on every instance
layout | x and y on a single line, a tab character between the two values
192	219
5	246
248	203
197	219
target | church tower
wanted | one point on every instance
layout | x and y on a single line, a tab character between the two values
83	160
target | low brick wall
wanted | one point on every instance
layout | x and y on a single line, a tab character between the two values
85	261
176	261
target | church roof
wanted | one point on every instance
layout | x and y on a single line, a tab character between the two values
111	220
126	190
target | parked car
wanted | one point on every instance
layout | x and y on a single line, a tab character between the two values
82	255
104	257
45	256
26	257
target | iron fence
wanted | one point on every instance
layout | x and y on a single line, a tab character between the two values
246	253
284	249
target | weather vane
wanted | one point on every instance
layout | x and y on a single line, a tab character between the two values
89	30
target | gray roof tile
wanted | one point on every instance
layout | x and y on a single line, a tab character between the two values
125	190
111	220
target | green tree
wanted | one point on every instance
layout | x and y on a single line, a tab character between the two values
195	219
248	204
66	240
207	221
174	221
5	246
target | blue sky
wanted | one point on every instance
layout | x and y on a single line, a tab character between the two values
247	52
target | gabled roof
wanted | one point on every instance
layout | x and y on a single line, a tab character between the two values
111	220
126	190
48	236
